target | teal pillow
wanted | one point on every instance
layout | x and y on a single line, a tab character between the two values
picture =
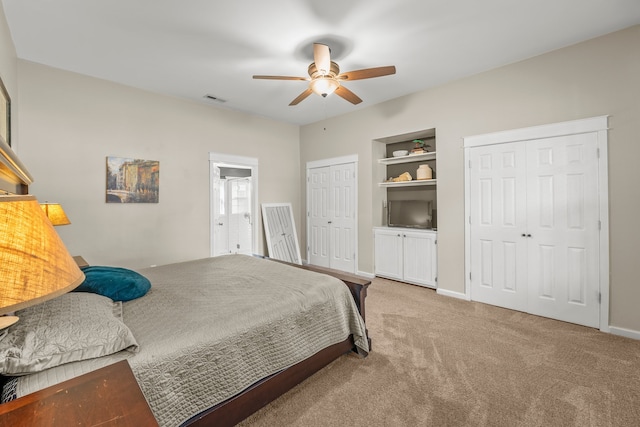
116	283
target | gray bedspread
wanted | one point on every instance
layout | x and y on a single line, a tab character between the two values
210	328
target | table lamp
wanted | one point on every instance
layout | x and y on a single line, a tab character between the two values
55	213
34	263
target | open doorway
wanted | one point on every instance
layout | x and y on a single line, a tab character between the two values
234	198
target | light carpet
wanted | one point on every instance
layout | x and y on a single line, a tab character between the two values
440	361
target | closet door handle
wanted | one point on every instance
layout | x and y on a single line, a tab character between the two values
526	235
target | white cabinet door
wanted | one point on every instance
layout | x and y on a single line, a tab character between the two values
409	256
388	253
419	252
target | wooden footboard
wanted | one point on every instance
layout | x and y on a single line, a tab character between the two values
357	285
239	407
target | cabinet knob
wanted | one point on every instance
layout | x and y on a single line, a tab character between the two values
328	222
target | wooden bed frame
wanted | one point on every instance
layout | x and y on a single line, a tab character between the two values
239	407
14	178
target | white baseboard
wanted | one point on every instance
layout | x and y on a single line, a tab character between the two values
629	333
365	274
452	294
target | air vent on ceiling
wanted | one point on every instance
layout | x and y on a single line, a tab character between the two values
214	98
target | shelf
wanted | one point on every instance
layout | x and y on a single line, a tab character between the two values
414	183
409	158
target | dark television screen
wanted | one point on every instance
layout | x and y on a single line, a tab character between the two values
410	213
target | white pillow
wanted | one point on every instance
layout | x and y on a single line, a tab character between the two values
73	326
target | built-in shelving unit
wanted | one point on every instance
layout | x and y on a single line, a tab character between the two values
408	158
413	183
405	254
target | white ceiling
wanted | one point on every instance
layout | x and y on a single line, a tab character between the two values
189	48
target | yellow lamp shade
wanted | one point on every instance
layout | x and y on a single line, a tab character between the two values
55	213
34	263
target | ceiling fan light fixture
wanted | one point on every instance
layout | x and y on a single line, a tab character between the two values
325	77
324	86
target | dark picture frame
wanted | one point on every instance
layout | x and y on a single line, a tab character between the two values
5	114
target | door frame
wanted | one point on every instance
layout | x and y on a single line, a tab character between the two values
230	160
598	125
334	161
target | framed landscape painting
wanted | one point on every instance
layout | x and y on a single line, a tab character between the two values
132	180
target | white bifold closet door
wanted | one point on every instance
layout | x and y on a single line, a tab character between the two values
332	216
535	227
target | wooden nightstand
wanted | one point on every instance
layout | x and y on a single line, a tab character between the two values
80	261
105	397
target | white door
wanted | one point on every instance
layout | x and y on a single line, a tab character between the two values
562	228
343	222
318	217
219	224
534	227
232	216
498	220
331	216
233	204
240	216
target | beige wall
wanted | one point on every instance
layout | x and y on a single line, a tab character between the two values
597	77
8	69
70	123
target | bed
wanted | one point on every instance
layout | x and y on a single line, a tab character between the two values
214	339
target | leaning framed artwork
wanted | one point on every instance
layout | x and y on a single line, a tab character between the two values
280	229
132	180
5	114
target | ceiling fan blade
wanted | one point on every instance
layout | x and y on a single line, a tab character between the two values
301	97
367	73
345	93
281	78
322	58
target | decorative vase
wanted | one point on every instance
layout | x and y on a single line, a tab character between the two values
424	172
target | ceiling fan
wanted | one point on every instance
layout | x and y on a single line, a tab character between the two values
325	78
